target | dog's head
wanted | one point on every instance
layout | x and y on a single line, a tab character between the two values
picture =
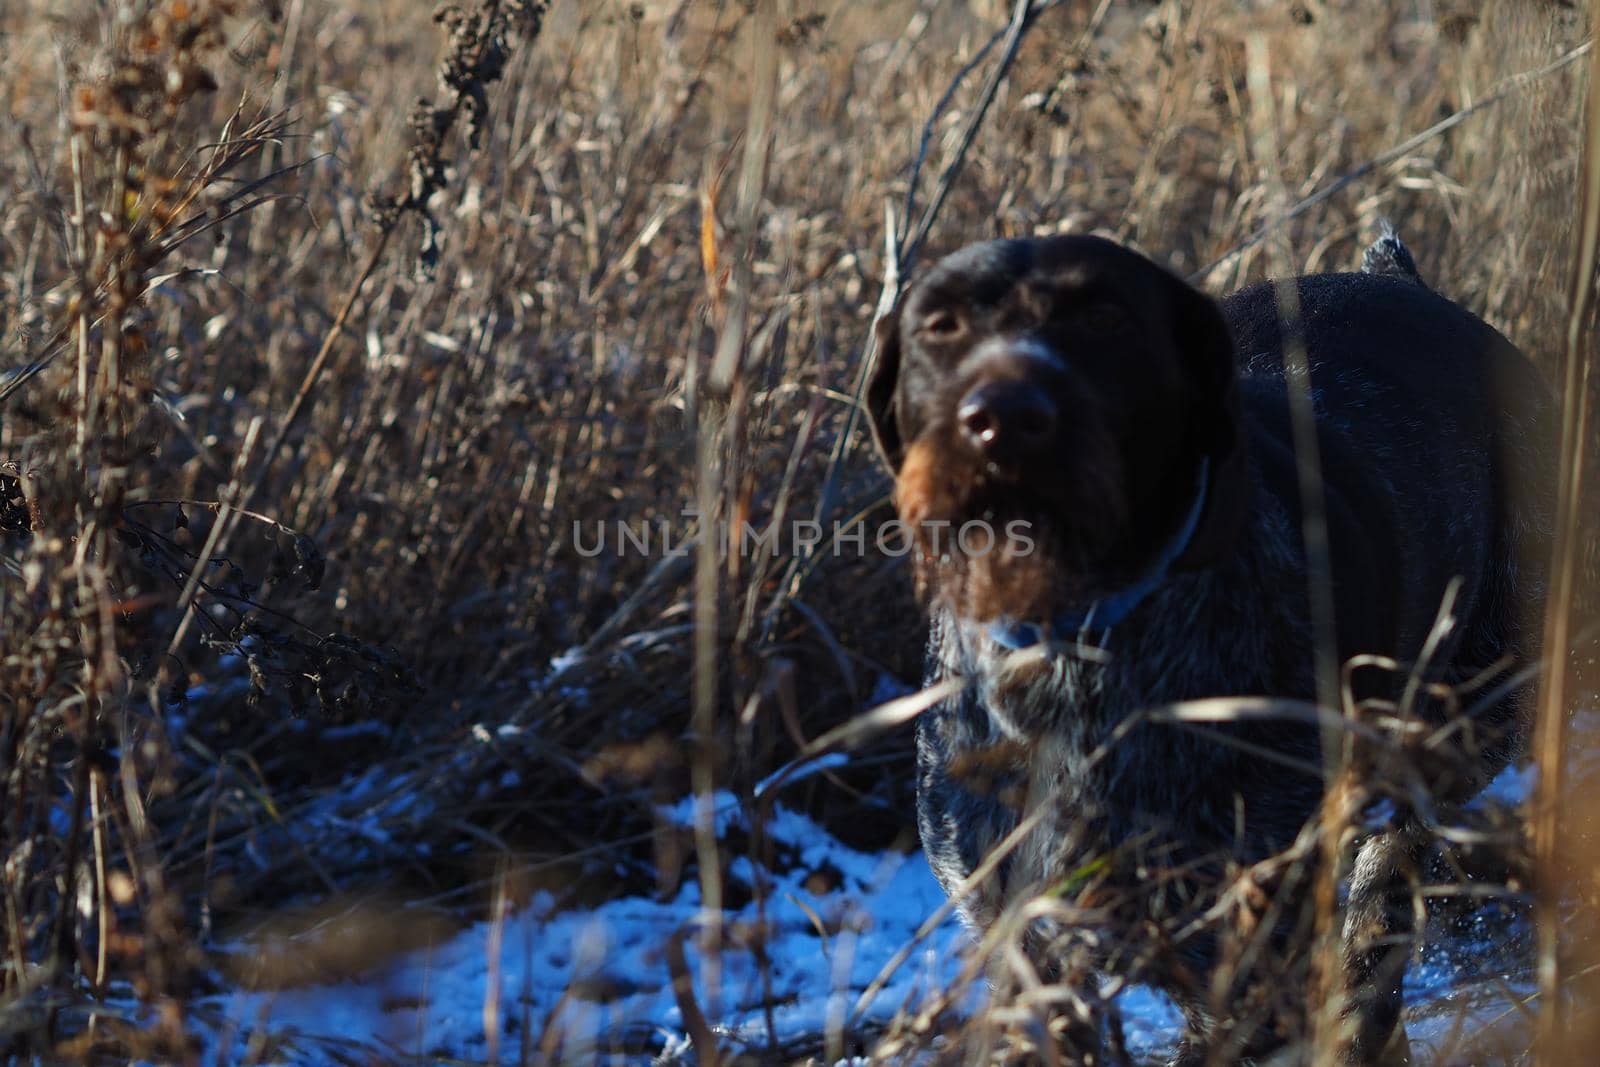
1056	397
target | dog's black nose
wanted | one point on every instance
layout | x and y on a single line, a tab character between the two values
1006	419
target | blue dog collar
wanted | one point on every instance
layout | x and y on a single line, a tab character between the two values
1109	611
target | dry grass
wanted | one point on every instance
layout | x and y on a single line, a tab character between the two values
651	284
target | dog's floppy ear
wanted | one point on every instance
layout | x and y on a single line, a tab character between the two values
1205	345
882	408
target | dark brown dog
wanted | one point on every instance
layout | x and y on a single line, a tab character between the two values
1118	449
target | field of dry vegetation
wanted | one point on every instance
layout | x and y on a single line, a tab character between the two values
304	386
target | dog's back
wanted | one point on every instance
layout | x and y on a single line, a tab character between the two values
1436	443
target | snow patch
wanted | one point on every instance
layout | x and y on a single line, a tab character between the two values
800	944
601	979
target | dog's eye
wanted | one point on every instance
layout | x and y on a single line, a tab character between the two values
942	324
1101	316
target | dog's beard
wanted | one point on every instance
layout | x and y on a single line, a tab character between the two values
1067	522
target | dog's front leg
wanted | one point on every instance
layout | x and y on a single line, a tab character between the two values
1380	934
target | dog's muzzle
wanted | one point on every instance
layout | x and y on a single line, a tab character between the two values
1111	609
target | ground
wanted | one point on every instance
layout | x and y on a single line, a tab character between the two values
596	983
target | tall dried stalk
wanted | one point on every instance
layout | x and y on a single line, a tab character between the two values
76	747
1558	855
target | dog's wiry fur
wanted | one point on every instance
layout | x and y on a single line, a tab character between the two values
1076	386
